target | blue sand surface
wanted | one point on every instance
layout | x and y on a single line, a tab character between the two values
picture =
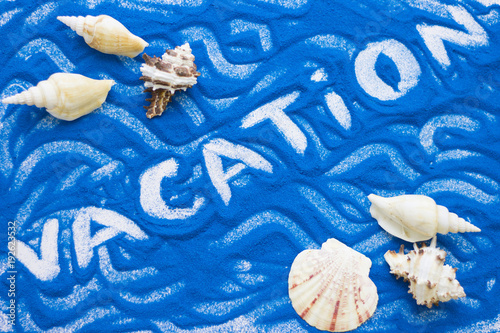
189	222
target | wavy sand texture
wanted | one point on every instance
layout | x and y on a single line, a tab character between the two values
189	222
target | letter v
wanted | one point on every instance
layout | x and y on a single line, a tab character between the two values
46	268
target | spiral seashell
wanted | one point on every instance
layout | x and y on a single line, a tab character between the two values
66	96
163	77
431	281
416	218
105	34
330	288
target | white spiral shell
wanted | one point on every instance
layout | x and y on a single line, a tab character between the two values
65	96
431	281
330	288
415	218
105	34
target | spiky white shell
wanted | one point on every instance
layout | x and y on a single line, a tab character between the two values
175	71
431	281
330	288
105	34
65	96
416	218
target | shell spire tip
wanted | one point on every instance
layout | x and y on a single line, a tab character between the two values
8	100
21	98
471	227
67	20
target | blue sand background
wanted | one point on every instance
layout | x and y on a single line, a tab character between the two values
226	267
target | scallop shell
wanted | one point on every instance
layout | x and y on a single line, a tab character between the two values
416	218
163	77
330	288
431	281
105	34
66	96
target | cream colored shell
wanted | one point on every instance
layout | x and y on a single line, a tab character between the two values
416	218
105	34
330	288
66	96
431	281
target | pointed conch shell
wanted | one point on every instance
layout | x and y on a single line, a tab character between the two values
431	281
330	288
105	34
416	218
66	96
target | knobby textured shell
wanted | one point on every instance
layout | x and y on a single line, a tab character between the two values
105	34
431	281
330	288
416	218
66	96
162	77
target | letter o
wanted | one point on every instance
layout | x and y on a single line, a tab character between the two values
407	65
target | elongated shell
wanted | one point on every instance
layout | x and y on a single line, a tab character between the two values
105	34
416	218
66	96
330	288
431	281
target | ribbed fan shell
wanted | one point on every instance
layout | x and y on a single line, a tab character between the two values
330	288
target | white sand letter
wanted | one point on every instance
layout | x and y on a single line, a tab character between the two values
407	65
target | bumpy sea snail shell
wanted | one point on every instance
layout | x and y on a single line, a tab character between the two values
431	281
105	34
66	96
416	218
330	288
162	77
